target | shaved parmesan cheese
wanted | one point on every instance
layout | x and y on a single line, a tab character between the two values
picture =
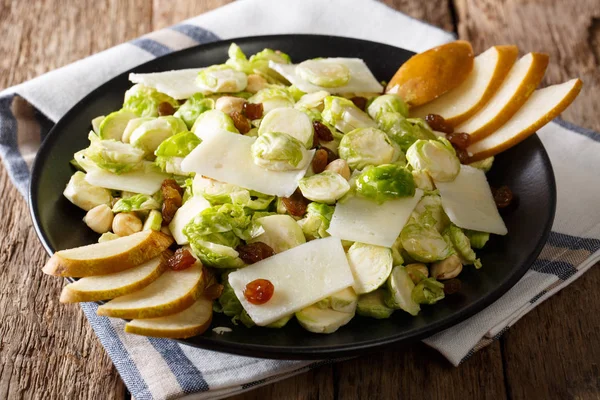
194	206
179	84
469	202
301	277
361	78
363	220
144	181
226	157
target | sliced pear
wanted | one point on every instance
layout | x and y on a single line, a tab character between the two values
172	292
428	75
108	257
521	81
192	321
489	70
542	107
104	287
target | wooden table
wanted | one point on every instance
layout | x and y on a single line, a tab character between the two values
48	350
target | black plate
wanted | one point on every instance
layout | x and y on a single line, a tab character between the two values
525	169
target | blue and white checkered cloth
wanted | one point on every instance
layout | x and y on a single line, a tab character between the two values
159	368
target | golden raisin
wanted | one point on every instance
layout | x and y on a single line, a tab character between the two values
241	123
322	132
438	123
181	259
295	204
254	252
319	161
359	102
331	156
172	199
259	291
253	110
165	108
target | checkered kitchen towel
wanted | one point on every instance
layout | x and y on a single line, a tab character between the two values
157	368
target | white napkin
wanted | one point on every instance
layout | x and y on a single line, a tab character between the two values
158	368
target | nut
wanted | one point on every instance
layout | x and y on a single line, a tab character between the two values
340	166
417	271
126	224
255	83
165	229
446	269
99	218
229	104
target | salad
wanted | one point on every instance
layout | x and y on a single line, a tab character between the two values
268	190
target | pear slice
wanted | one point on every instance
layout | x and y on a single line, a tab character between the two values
428	75
542	107
103	287
519	84
489	70
172	292
192	321
108	257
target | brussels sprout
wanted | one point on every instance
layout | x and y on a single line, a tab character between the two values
295	92
281	322
107	237
462	245
216	255
221	193
373	305
153	221
324	72
417	272
144	100
344	301
326	187
424	243
366	146
132	125
387	103
428	291
272	98
385	182
477	239
430	213
149	135
170	152
400	288
344	115
317	219
258	63
193	107
322	320
423	180
114	124
230	305
281	233
485	165
221	79
397	252
403	131
370	265
291	121
96	123
138	202
222	224
277	151
113	156
436	157
271	55
84	195
312	100
212	120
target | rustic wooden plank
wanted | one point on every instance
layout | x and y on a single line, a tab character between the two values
48	350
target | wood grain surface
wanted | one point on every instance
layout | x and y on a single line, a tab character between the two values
48	351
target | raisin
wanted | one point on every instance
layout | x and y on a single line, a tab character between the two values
172	199
259	291
463	155
254	252
460	140
322	131
165	108
253	110
452	286
181	259
503	196
359	102
438	123
241	123
319	161
315	143
331	156
295	204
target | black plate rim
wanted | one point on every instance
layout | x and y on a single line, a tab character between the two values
285	352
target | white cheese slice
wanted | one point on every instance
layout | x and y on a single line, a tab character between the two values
301	277
361	78
469	202
194	206
144	181
179	84
226	157
362	220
